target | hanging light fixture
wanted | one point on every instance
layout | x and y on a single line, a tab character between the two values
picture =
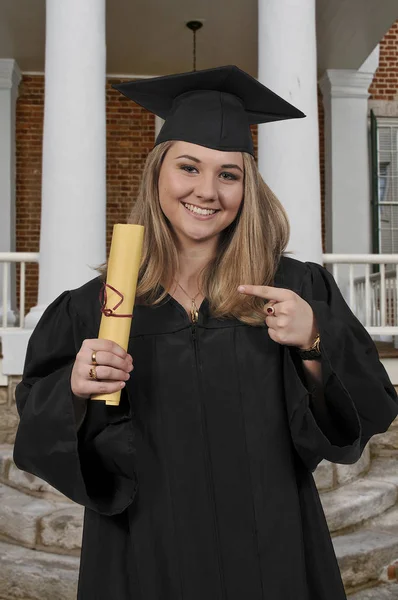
194	26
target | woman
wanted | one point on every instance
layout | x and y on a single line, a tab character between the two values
199	485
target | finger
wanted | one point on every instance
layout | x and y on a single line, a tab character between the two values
267	292
104	387
105	345
109	359
109	374
273	334
270	321
278	322
87	388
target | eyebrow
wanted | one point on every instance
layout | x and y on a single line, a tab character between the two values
194	159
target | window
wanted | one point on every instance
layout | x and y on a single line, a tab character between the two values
384	132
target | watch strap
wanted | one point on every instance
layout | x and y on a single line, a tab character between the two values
312	353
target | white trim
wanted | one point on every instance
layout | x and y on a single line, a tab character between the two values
371	259
33	73
129	76
345	83
107	75
371	64
16	257
391	366
3	378
158	125
384	108
387	121
10	74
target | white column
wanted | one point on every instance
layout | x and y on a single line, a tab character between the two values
288	151
10	77
347	178
72	236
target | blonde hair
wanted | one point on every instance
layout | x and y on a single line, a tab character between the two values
249	248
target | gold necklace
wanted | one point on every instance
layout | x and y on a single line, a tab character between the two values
194	308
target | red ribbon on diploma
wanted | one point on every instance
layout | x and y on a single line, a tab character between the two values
109	312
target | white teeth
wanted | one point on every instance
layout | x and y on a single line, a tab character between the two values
199	211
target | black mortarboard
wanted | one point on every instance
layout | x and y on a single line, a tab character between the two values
212	108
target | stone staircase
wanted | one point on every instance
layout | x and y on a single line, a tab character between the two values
41	530
40	537
361	506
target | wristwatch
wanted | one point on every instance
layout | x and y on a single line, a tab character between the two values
312	353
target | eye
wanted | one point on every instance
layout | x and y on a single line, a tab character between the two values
188	168
228	176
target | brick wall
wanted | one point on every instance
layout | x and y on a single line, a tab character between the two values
385	82
130	136
29	132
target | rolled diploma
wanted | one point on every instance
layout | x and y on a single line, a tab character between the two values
123	267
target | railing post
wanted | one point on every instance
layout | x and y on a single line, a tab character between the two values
5	293
22	295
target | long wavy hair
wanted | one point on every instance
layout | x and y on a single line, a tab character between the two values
249	249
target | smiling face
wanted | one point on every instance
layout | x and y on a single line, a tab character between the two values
200	191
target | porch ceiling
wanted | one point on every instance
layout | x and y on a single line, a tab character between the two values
149	37
348	30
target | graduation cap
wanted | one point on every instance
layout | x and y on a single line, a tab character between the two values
212	107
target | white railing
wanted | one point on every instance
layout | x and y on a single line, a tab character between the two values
6	260
372	296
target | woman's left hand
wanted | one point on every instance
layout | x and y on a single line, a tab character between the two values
293	322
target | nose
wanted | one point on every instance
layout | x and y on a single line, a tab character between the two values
206	188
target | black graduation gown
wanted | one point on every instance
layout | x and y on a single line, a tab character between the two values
199	485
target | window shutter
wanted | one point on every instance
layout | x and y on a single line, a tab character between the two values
375	183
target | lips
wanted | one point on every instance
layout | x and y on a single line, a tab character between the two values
197	215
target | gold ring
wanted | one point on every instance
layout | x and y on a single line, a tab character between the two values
94	358
93	373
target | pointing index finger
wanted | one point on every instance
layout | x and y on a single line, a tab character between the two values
266	292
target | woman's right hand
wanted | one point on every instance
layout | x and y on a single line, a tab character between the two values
113	368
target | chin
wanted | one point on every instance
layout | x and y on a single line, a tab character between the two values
199	237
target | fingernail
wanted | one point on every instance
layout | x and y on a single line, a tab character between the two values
122	384
241	288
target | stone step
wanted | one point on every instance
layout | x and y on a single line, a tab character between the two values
395	422
14	477
385	444
353	503
329	476
380	592
48	525
363	556
31	575
385	469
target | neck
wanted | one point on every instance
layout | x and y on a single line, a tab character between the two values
192	260
189	271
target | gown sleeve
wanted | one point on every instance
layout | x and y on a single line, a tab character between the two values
88	457
358	397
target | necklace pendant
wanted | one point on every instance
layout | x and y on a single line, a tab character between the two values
194	313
